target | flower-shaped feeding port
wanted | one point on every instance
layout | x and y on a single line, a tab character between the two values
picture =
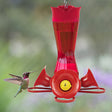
65	83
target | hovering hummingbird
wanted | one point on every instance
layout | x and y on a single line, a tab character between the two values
22	81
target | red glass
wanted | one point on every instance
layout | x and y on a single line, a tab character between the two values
65	35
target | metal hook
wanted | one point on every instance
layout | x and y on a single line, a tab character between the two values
66	3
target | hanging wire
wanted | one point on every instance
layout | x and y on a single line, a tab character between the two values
66	3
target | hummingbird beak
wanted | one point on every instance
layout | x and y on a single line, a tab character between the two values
36	71
32	72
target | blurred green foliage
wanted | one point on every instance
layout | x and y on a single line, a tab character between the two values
27	44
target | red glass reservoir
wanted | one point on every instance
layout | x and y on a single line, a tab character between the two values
65	23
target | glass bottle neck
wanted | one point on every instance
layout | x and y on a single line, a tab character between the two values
65	35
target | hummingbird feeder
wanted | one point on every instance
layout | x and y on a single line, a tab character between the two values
65	83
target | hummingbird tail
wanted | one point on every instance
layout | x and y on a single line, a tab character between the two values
19	91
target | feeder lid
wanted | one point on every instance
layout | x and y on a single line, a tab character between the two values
62	14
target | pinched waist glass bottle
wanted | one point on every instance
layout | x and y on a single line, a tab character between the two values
65	29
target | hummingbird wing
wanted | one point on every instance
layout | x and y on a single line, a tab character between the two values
17	81
15	76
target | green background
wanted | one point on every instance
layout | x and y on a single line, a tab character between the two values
27	43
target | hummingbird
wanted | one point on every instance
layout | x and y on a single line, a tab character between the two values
23	81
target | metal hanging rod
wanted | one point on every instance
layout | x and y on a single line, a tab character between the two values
66	3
